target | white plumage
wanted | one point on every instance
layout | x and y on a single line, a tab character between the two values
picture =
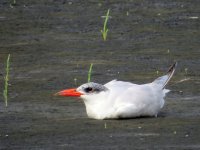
125	100
118	99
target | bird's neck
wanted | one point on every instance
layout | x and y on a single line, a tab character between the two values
96	106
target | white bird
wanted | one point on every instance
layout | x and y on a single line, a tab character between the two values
118	99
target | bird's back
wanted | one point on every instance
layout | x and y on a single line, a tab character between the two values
127	100
135	100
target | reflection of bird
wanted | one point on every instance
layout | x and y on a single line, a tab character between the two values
118	99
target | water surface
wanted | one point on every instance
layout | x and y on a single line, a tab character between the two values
53	42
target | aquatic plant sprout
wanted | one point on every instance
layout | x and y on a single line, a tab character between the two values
90	72
105	29
75	81
6	78
13	3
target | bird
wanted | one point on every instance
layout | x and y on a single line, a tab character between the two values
120	99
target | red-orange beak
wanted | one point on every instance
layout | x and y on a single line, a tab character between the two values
69	92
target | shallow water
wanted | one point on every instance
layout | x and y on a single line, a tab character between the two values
53	42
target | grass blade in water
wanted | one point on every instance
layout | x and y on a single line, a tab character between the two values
6	78
90	72
105	29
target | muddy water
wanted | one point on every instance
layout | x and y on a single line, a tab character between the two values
53	42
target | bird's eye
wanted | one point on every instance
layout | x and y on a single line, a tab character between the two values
88	89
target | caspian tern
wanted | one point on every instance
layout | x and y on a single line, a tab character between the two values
118	99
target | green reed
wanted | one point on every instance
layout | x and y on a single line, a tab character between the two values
105	29
90	72
6	79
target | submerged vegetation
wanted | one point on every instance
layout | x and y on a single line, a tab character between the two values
105	29
90	72
14	3
6	79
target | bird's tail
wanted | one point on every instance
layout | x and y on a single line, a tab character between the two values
166	78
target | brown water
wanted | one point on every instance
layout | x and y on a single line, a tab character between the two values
53	42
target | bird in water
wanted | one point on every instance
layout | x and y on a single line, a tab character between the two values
118	99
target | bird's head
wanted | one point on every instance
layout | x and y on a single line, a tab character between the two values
86	89
91	93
